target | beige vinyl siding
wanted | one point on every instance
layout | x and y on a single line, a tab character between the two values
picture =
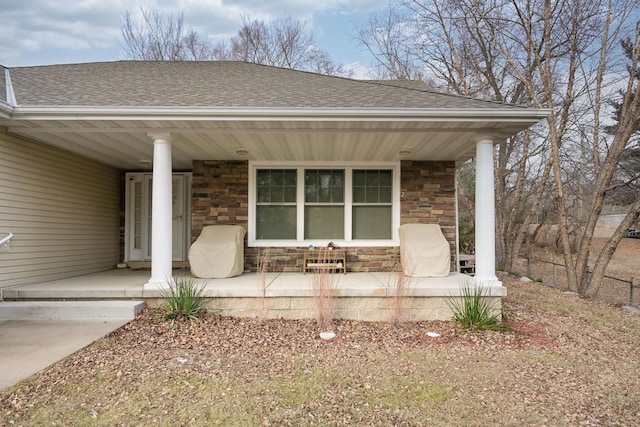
63	210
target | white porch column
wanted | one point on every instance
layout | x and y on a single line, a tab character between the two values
485	216
161	211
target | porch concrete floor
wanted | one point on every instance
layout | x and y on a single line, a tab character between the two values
129	284
358	296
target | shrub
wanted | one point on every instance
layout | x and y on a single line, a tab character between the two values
474	309
324	283
183	300
263	269
401	289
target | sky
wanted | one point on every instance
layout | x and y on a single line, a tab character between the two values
43	32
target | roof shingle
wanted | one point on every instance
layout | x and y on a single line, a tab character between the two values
217	84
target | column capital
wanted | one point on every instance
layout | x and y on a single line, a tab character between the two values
160	136
485	140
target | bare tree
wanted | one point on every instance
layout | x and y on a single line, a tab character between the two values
562	76
387	37
251	44
449	44
284	43
628	122
154	37
571	35
321	63
555	54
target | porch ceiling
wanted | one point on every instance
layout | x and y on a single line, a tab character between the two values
347	135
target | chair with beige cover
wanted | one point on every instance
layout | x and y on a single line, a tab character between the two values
218	252
424	251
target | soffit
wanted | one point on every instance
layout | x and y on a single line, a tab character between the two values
122	143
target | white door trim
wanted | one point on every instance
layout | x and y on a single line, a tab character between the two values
137	246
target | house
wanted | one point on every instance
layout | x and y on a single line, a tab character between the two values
84	148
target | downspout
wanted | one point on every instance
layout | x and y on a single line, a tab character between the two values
455	183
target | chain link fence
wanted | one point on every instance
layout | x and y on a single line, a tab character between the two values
614	290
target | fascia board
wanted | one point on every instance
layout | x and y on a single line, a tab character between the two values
514	114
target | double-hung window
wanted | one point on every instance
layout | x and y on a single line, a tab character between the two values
276	209
323	204
302	204
372	203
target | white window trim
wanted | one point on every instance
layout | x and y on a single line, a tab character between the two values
300	166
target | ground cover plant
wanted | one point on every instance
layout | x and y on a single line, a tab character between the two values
567	362
183	300
474	310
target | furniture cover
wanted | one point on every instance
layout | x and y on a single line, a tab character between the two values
424	251
218	252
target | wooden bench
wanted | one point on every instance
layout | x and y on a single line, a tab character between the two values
468	264
334	259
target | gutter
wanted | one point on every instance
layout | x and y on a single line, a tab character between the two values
513	114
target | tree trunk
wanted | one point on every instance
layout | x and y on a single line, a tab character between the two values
556	133
531	214
627	125
591	288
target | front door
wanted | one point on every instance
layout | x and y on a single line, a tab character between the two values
138	216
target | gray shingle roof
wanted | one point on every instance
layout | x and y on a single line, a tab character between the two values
217	84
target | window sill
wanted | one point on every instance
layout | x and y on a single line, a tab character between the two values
323	243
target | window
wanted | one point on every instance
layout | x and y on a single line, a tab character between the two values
323	204
299	205
372	204
276	204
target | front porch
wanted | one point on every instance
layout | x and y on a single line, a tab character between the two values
358	296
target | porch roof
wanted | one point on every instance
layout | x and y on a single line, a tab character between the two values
106	111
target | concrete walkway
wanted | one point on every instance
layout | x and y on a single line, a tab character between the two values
29	346
37	334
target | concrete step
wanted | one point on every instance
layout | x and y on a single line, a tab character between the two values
70	310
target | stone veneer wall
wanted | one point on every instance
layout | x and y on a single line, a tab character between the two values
430	197
220	196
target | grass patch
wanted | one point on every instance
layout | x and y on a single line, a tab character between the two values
318	397
302	397
183	300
